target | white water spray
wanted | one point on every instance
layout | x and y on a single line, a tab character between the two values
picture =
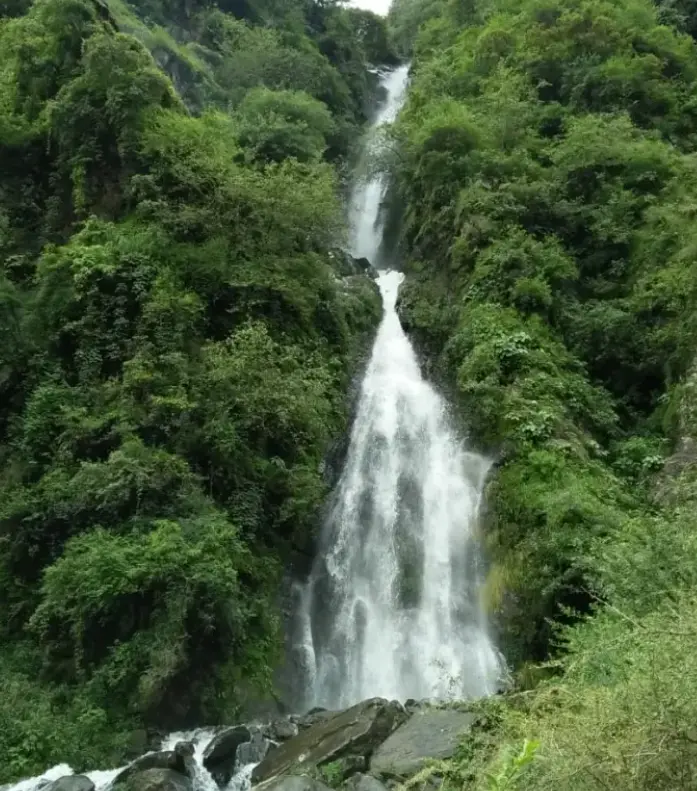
201	778
392	607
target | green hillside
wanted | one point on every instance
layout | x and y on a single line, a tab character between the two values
177	337
546	177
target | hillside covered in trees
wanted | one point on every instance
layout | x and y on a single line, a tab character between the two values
178	331
546	178
177	335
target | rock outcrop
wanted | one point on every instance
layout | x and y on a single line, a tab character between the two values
221	754
281	730
71	783
429	733
347	265
156	780
177	761
313	717
358	731
255	750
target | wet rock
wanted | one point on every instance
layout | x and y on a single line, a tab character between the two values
281	730
312	718
254	750
71	783
429	733
154	780
292	783
361	782
346	265
185	751
221	754
355	731
364	266
166	760
413	705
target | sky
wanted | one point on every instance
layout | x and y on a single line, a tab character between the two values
379	6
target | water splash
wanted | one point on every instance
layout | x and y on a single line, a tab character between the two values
392	607
102	779
200	738
201	778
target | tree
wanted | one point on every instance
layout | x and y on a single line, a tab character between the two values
278	125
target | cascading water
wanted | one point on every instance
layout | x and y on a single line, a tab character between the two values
392	606
248	755
368	194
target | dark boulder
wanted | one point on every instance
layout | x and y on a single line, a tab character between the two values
184	752
154	779
220	756
345	265
71	783
364	266
255	749
169	760
357	732
281	730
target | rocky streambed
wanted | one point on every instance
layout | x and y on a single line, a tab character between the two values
368	747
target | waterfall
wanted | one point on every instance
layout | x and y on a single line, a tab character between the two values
392	608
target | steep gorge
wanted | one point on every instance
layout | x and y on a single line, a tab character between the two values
180	329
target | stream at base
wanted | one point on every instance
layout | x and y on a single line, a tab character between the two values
202	780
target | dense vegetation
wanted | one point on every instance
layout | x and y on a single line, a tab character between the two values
176	341
546	170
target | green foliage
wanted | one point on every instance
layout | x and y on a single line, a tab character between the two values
372	32
217	53
332	773
404	19
546	166
176	344
512	768
561	306
278	125
39	722
141	615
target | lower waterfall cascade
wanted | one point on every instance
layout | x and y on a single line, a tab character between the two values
391	608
